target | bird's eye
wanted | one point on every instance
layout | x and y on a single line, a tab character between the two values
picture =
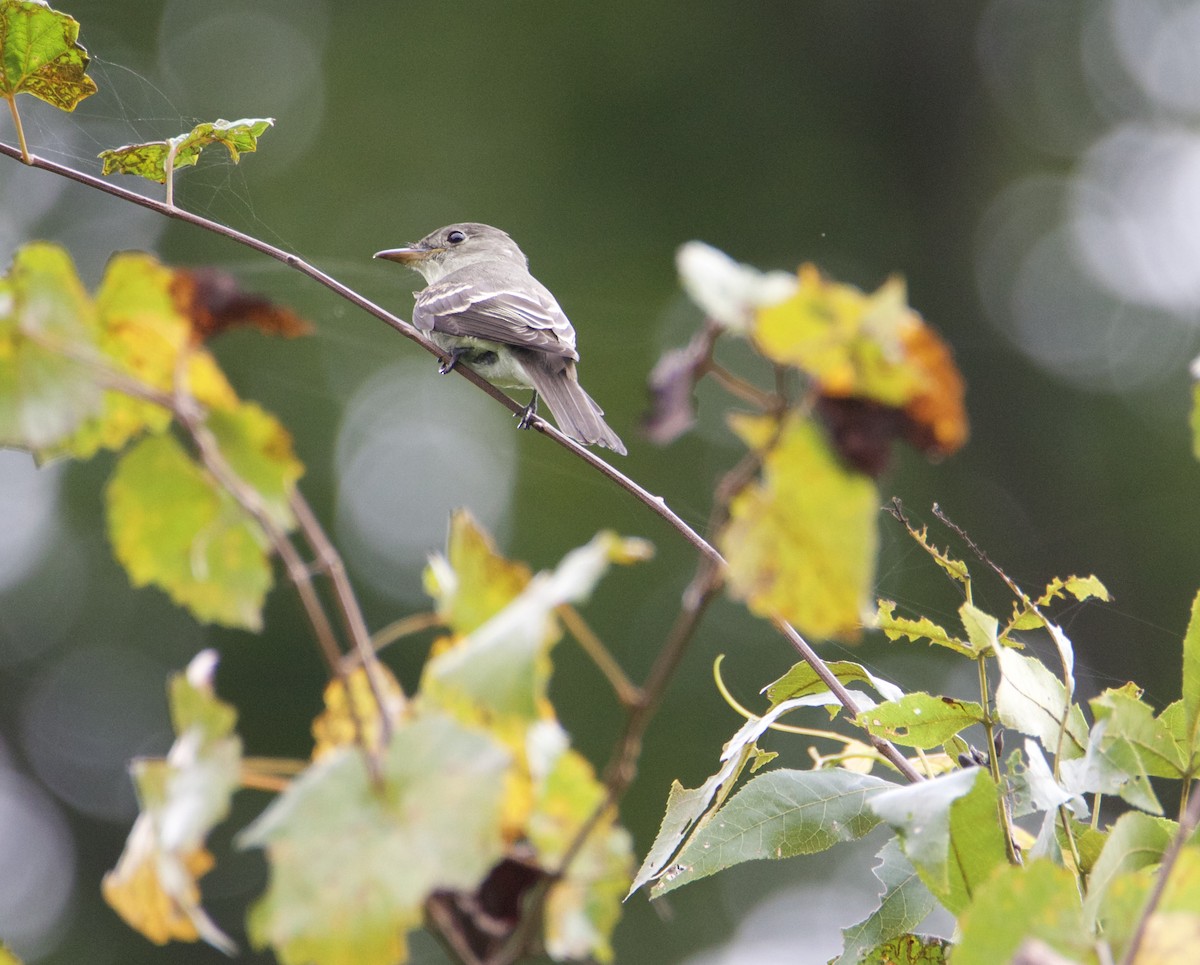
456	237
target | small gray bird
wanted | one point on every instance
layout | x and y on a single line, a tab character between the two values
483	307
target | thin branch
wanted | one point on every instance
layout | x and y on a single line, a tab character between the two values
628	693
655	503
886	748
403	627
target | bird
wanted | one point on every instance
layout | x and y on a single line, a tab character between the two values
483	307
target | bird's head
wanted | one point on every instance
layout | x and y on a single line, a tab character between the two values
456	246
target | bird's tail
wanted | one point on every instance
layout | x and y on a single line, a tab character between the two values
576	413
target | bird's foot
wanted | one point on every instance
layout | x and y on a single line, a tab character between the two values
448	365
528	414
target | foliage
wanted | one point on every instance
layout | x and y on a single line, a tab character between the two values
462	806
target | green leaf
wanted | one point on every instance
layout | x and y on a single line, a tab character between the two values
982	628
1127	894
903	905
503	664
41	56
7	957
801	680
779	814
155	160
1031	700
950	830
920	719
44	310
1191	679
909	950
688	808
153	887
171	526
1146	742
1037	901
351	865
1135	841
895	628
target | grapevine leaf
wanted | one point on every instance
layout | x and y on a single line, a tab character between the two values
779	814
903	905
155	160
352	715
801	543
472	582
909	950
729	293
40	55
869	347
44	309
1037	901
920	719
351	864
173	527
259	449
503	664
154	885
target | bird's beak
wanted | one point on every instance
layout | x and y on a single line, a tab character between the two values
407	256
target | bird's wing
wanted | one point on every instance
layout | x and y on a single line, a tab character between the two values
496	313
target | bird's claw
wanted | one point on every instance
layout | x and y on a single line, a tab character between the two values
447	365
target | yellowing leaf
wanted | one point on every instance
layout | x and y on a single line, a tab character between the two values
922	628
473	581
155	160
44	308
336	726
172	527
259	449
154	885
352	864
40	55
801	543
871	347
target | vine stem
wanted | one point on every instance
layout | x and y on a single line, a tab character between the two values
24	154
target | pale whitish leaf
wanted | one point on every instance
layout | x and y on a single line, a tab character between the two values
686	807
1031	700
949	830
779	814
352	862
728	292
1099	771
903	905
494	663
1047	794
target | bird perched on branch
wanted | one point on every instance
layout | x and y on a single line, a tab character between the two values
483	307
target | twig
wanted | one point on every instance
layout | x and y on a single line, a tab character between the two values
1187	824
627	692
886	748
655	503
403	627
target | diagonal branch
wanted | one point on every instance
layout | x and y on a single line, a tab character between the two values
655	503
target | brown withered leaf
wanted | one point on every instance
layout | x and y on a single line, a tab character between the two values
671	385
214	303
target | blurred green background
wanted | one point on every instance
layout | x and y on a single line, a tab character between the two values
1033	170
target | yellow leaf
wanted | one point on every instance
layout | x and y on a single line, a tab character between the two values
872	347
801	542
473	581
336	725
